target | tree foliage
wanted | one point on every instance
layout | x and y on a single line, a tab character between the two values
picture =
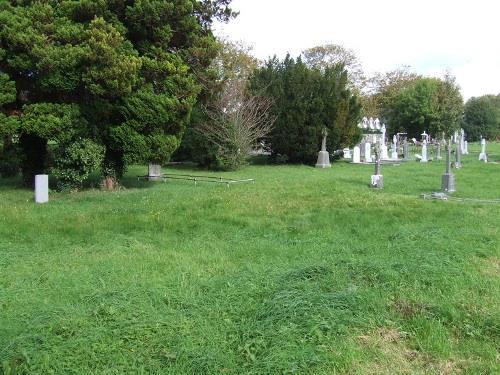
228	72
123	74
482	117
381	89
426	104
330	55
306	101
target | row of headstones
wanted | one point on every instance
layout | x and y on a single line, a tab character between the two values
462	149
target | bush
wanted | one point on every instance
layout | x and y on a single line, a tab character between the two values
74	164
10	162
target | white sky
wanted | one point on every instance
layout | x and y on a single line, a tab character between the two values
431	36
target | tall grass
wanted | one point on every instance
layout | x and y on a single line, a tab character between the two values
305	271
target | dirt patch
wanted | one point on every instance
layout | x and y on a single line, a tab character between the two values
387	352
490	266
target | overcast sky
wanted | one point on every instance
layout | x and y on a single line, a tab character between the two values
431	36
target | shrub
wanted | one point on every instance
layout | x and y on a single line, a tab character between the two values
74	163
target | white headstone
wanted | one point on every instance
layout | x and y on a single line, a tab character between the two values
482	155
466	148
356	155
424	152
384	155
41	188
382	140
154	172
371	123
347	153
368	152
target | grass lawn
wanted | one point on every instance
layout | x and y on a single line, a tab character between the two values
306	271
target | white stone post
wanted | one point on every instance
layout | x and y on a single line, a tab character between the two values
356	155
41	188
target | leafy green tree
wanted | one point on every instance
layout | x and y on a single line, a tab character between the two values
429	104
306	101
482	117
122	74
381	89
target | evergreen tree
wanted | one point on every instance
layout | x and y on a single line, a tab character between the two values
306	101
124	74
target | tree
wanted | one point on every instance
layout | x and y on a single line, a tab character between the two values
428	104
330	55
124	75
235	123
482	117
306	101
381	89
229	71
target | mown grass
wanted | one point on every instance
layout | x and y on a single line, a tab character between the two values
306	271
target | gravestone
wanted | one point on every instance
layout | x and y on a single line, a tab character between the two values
394	153
466	148
356	155
448	180
154	172
368	152
424	152
438	151
458	154
406	150
377	180
383	152
41	188
347	153
323	155
482	155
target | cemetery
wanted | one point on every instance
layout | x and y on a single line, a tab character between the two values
173	203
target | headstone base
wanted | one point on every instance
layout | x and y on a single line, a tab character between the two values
377	181
323	160
483	157
394	155
448	183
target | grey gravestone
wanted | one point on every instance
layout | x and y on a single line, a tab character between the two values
377	181
448	180
323	156
482	155
406	150
41	188
154	172
424	152
458	154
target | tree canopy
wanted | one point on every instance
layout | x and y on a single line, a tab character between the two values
306	101
122	74
482	117
424	104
